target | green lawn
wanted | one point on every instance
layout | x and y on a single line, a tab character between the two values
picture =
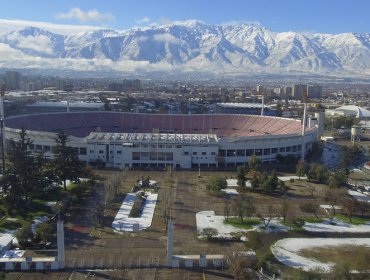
355	220
246	224
313	220
9	225
35	209
293	226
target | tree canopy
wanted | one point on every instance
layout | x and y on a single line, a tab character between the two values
255	163
216	183
65	164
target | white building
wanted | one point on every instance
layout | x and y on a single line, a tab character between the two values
349	110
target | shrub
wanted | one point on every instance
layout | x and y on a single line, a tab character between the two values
138	206
216	183
210	233
46	232
24	235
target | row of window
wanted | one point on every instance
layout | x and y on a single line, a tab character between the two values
186	153
155	146
152	156
258	152
46	148
118	152
163	146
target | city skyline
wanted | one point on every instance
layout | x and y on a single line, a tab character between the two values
287	15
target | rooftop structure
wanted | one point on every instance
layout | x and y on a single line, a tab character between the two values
349	110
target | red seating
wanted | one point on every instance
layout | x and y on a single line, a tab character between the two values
80	124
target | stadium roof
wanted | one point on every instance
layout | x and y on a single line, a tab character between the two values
64	104
242	105
353	110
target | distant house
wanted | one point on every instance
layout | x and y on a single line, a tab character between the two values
244	109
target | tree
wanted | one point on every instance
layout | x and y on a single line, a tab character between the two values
311	189
349	206
255	182
274	180
269	183
270	215
241	176
337	179
242	267
264	181
318	173
65	164
333	197
255	163
284	208
226	209
301	169
282	186
209	232
244	206
98	216
310	207
363	207
24	234
216	183
347	155
23	174
46	232
254	240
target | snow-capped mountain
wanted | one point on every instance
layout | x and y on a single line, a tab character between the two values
35	42
191	46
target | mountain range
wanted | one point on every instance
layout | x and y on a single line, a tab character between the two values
189	46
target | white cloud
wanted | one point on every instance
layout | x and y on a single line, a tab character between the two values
8	25
39	43
88	16
238	22
166	38
144	20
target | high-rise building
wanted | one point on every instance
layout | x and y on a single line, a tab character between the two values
13	80
260	89
297	91
314	91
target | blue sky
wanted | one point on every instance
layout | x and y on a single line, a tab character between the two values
325	16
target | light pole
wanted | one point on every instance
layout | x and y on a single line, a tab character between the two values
2	140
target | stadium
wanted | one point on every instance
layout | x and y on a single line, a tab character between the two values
122	140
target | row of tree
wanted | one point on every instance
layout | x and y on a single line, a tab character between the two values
319	173
28	173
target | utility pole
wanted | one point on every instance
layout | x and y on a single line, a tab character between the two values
2	140
60	242
263	102
304	97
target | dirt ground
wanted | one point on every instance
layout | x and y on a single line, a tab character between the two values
128	274
181	194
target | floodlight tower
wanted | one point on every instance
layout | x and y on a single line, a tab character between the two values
60	242
169	242
263	102
68	88
2	140
304	98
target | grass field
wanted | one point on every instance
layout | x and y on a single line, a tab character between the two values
245	224
355	220
357	257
